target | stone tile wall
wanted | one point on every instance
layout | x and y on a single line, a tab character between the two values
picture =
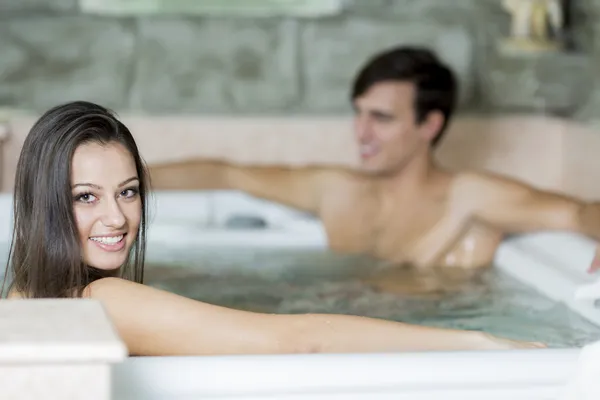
284	57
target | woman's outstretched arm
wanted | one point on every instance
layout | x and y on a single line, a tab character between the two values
153	322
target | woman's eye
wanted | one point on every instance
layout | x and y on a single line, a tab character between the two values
129	193
85	198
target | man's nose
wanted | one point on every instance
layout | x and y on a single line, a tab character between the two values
363	129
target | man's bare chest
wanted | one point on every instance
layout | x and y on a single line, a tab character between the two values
397	232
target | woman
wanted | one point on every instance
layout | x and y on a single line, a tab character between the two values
80	205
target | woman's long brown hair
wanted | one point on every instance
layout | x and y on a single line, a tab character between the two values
45	256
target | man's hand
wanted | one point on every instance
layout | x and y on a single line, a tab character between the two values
590	221
595	262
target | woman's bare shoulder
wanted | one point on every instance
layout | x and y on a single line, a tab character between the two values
100	285
14	294
115	288
118	290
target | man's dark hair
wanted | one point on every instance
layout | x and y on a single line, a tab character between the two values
435	83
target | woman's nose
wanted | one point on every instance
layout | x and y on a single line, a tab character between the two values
113	215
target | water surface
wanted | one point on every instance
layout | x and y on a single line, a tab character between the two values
287	281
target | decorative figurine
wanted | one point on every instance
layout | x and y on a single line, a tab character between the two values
536	25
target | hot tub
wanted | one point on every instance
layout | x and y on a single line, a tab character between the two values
199	239
207	237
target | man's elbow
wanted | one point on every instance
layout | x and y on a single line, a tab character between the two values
587	219
563	216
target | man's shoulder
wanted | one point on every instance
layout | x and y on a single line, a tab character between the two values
485	180
483	186
345	177
347	189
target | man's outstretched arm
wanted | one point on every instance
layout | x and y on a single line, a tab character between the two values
301	188
516	207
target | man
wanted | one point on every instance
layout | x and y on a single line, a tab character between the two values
400	207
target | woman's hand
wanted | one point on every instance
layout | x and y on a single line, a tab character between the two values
491	342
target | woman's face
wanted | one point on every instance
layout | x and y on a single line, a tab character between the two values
106	203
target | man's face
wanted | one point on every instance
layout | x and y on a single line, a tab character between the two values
386	128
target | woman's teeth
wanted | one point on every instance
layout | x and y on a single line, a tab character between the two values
108	239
